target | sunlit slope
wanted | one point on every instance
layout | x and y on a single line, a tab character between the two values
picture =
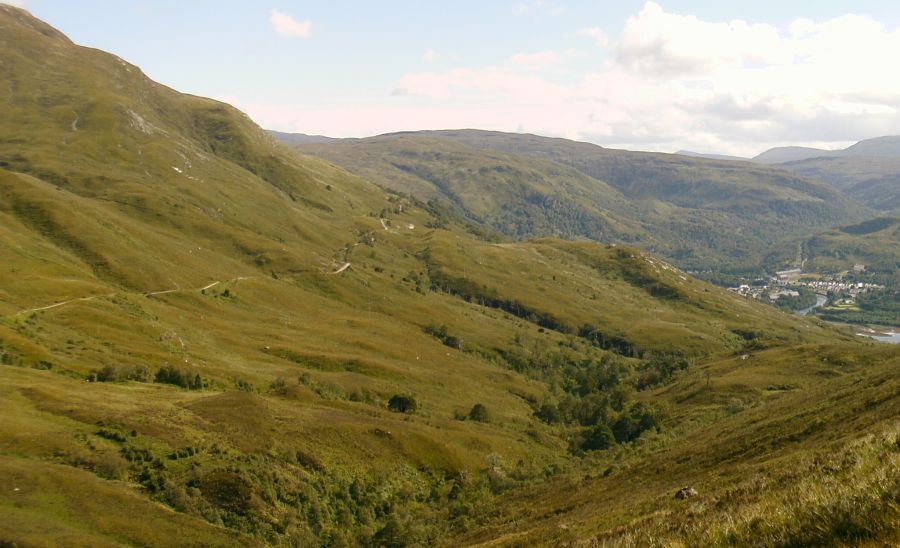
786	448
207	355
86	125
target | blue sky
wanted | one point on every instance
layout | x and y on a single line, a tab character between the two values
734	77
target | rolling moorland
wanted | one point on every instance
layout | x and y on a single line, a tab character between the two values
728	222
207	338
701	214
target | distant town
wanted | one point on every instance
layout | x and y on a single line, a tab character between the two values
787	283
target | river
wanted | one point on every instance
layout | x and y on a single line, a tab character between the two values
820	300
892	338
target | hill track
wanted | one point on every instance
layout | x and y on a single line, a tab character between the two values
146	294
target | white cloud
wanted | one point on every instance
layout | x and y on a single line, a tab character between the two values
286	25
668	81
658	43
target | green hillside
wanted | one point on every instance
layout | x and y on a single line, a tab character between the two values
874	181
874	243
868	171
208	339
701	214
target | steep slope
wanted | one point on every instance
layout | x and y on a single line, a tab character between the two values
208	339
701	214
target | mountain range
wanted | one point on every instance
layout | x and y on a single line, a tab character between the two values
209	338
701	214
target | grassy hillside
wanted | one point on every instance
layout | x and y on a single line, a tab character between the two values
874	181
208	339
868	171
874	243
701	214
803	459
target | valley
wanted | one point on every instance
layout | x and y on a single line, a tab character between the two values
215	335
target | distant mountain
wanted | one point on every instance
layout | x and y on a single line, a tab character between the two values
780	155
299	138
698	212
884	147
712	156
868	171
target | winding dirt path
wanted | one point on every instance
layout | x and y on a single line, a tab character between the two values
48	307
148	294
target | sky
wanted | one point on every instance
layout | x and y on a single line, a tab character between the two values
664	75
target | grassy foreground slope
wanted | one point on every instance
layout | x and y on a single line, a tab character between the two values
805	458
697	212
202	332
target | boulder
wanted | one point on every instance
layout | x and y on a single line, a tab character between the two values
685	493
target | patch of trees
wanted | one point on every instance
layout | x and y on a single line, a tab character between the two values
617	344
805	299
472	292
480	294
875	307
119	373
659	369
595	396
141	373
178	377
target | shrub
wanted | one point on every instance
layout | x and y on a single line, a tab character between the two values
440	333
548	413
479	413
279	386
243	386
402	404
598	438
117	373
